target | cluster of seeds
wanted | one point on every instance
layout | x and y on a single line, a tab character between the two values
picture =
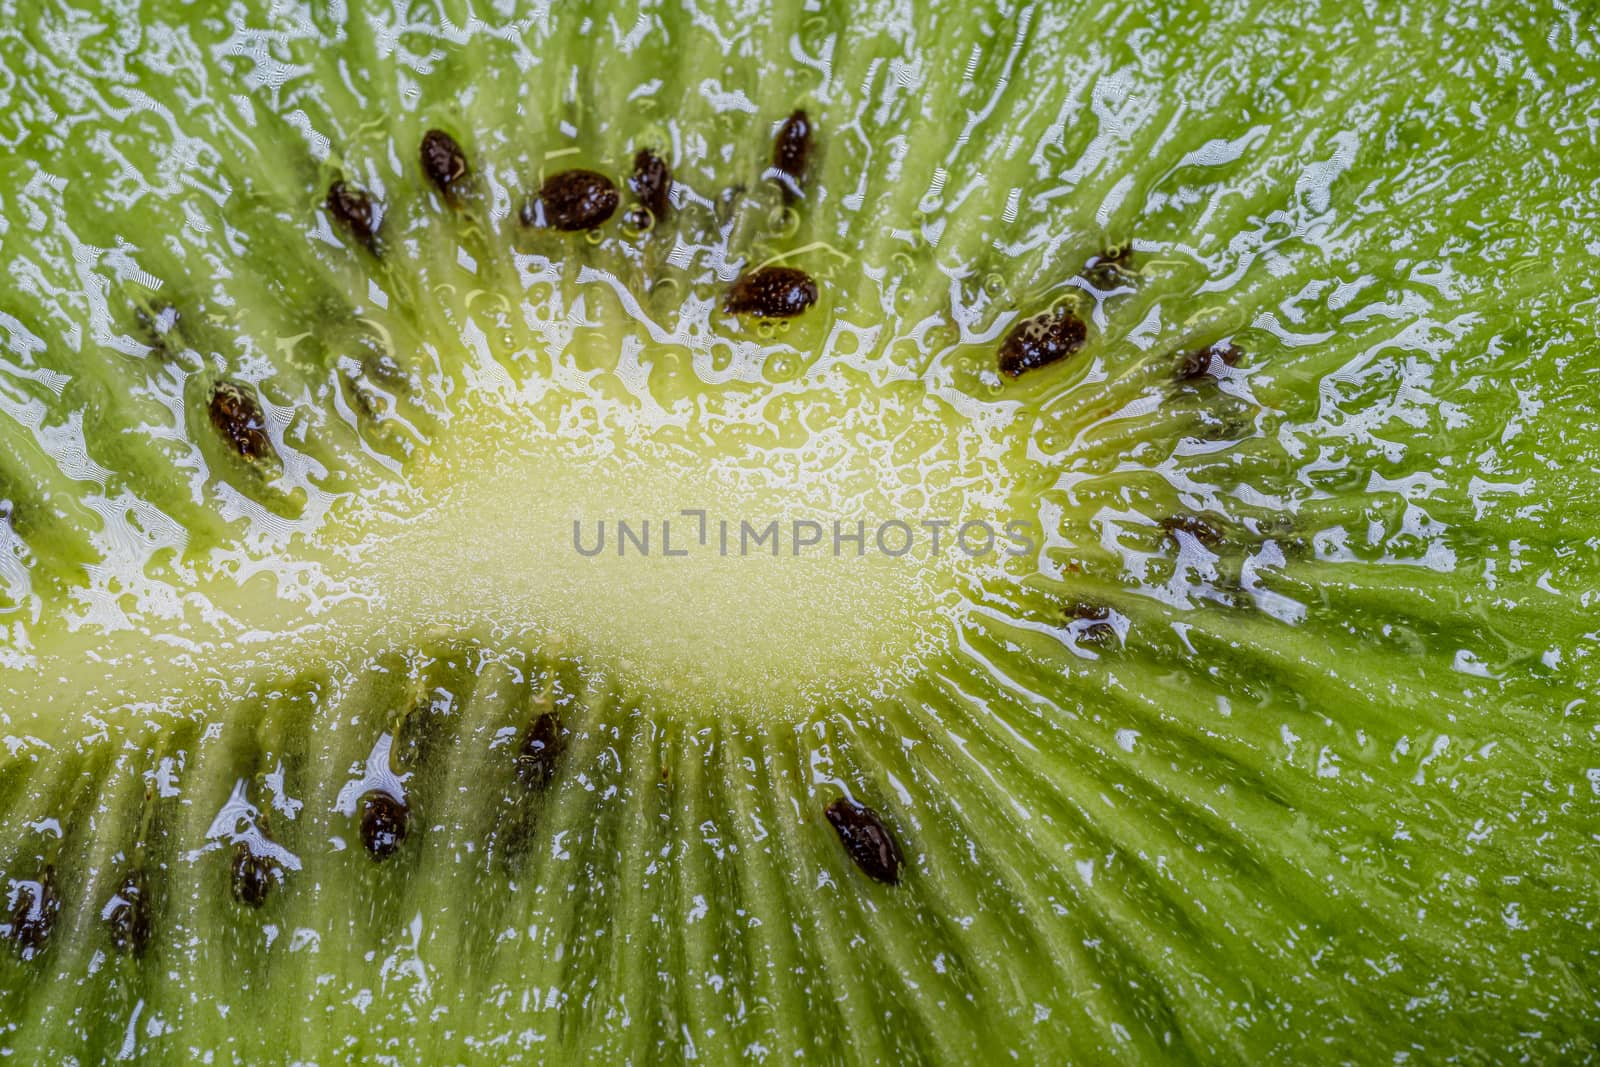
579	200
385	820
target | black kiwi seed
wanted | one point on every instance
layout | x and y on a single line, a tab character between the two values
443	162
238	418
352	208
252	875
791	154
772	293
127	916
1193	525
577	199
541	747
867	840
384	821
33	914
651	182
1207	362
1040	341
1096	620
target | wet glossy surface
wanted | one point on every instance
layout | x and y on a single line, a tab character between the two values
1265	737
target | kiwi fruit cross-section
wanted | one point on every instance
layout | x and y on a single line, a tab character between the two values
833	533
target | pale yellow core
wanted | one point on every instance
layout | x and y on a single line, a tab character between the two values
478	540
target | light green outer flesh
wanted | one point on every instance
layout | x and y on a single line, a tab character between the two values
1365	835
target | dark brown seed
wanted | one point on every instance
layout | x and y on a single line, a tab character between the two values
1041	341
651	182
1111	269
541	747
866	839
577	199
384	821
1091	623
443	162
127	915
252	875
353	210
1193	525
33	914
772	293
238	418
791	154
1207	362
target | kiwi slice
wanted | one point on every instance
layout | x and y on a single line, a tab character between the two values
834	533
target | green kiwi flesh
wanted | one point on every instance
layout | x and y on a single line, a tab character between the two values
328	340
